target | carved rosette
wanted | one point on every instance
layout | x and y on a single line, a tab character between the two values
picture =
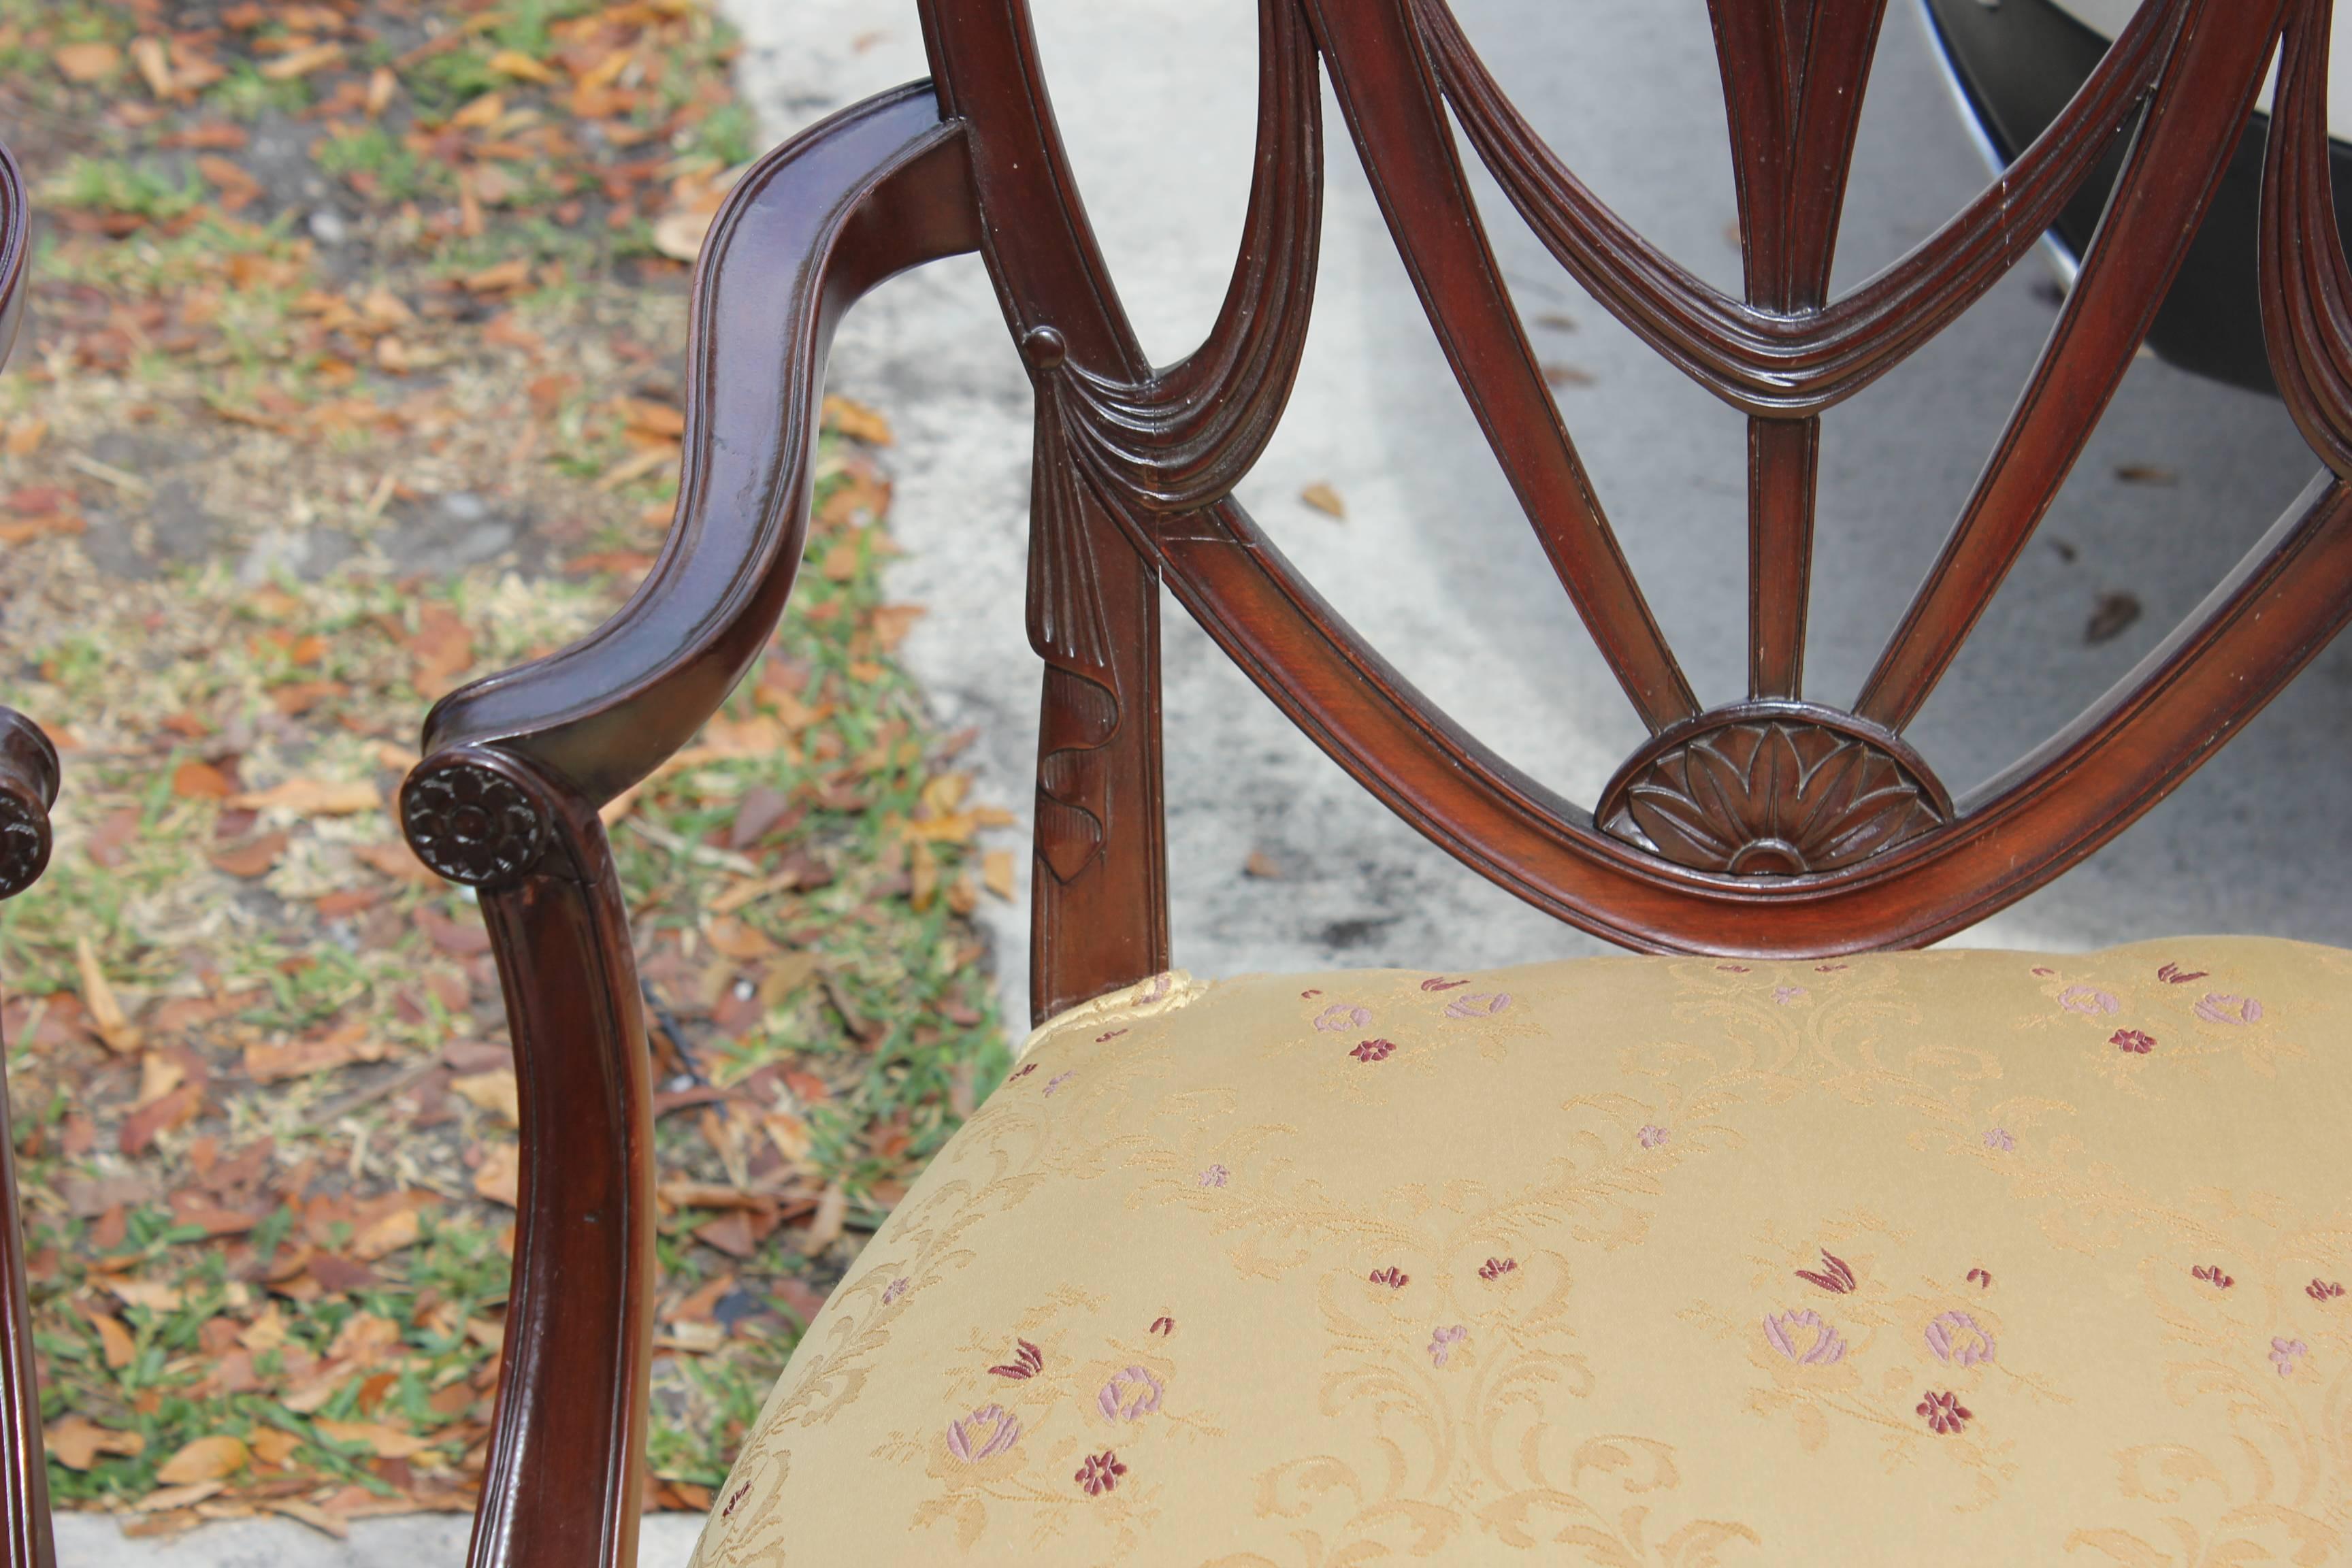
28	785
1773	789
23	842
471	823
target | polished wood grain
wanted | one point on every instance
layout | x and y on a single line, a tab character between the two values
28	788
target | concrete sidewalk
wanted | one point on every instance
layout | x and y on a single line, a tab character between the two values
416	1540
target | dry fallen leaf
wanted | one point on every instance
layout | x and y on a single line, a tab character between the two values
273	1444
154	65
396	860
206	1459
996	872
855	421
387	1236
312	798
892	623
98	997
165	1499
87	62
500	1176
201	780
159	1075
496	1093
1325	500
302	62
324	1521
823	1226
352	1043
514	62
679	234
1263	866
253	857
114	1340
384	1442
152	1294
76	1442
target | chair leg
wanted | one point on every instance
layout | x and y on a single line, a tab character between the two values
28	788
567	1446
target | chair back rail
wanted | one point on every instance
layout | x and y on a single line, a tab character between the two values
1777	824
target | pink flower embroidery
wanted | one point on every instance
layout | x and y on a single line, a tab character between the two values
1945	1414
2211	1274
1023	1070
1101	1473
2088	1000
732	1502
1372	1051
983	1435
2323	1289
1788	995
1439	982
1494	1268
1957	1338
2287	1355
2215	1008
1981	1277
1129	1395
1215	1176
1997	1139
1027	1364
1834	1276
2045	974
1732	968
896	1288
1651	1135
1390	1277
1804	1337
1105	1040
1479	1005
1442	1343
1829	968
1058	1080
2173	975
1163	1327
1339	1018
2133	1041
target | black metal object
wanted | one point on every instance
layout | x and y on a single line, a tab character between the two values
2015	64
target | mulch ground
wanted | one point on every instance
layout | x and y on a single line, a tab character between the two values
350	372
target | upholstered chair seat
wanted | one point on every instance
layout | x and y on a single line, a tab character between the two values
1956	1257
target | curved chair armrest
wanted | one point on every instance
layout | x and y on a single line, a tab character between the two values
516	766
878	188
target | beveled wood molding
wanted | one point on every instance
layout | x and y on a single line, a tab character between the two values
1895	861
29	789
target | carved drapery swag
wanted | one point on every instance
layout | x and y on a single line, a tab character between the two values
1732	818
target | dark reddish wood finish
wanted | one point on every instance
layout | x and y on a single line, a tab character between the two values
28	788
1777	824
516	767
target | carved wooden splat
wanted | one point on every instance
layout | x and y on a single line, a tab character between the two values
1782	823
1773	789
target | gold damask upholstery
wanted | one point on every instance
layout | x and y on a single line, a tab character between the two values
1958	1257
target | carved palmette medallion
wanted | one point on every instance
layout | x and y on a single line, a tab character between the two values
1770	788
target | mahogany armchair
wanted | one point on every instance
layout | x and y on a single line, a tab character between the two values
1784	1246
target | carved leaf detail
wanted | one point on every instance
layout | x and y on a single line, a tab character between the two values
1780	796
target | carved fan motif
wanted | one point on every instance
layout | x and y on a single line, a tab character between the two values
1773	789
